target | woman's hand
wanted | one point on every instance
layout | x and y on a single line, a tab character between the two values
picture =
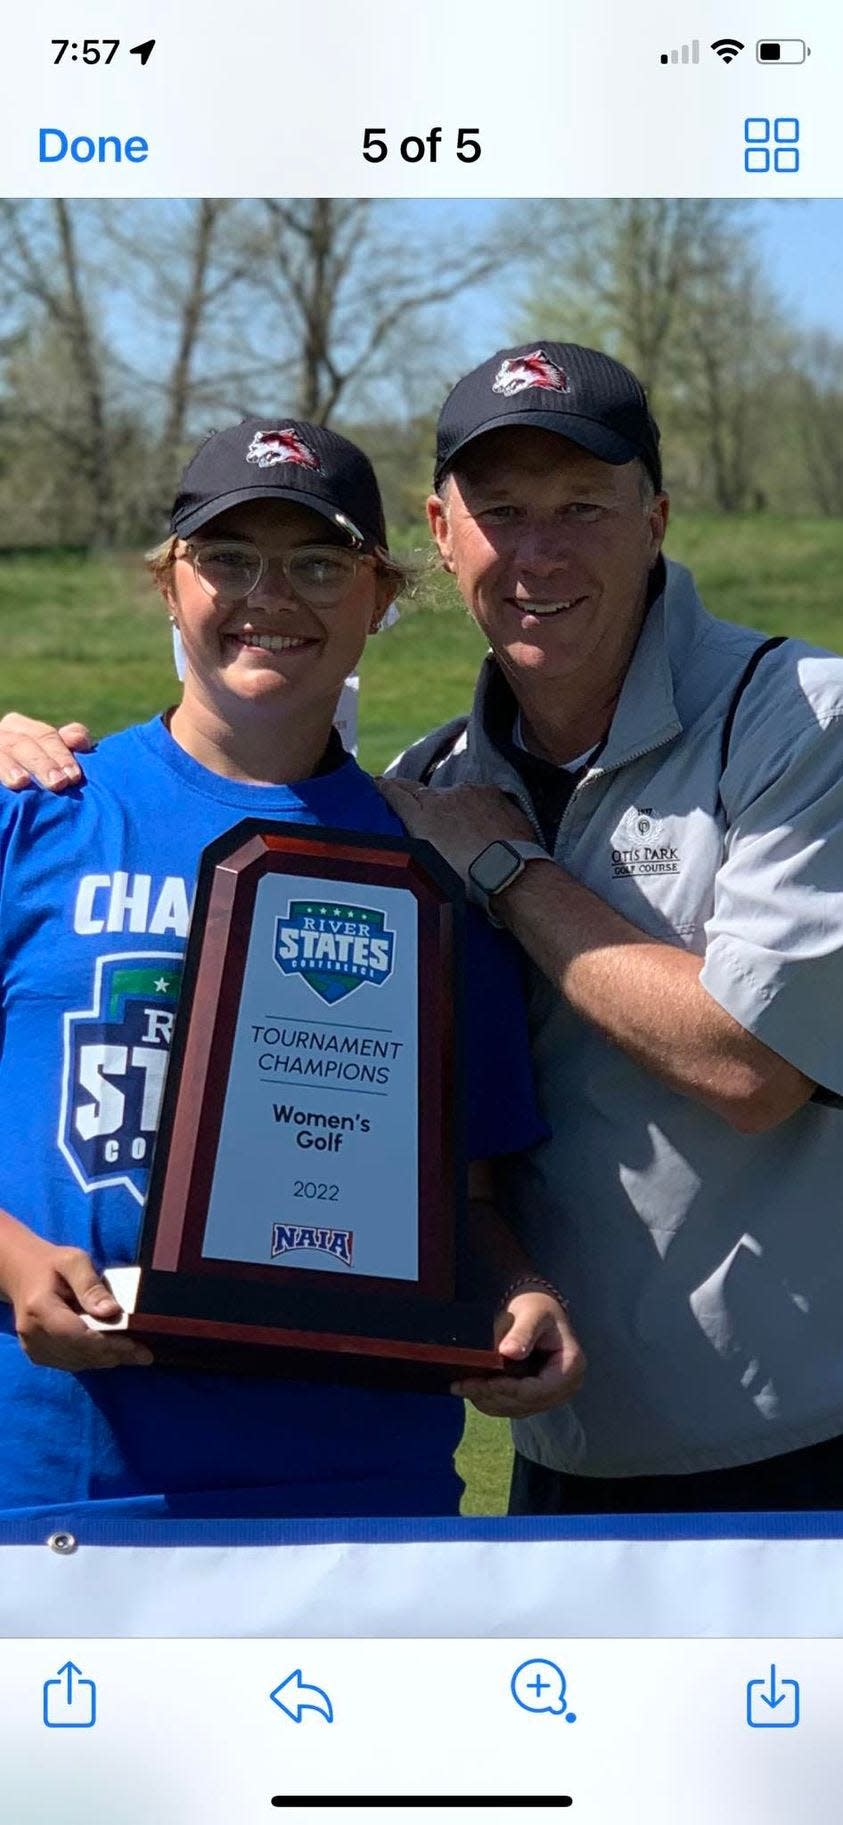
49	1289
531	1321
460	821
36	753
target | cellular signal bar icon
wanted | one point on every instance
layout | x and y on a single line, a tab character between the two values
687	53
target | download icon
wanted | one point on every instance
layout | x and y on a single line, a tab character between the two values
772	1704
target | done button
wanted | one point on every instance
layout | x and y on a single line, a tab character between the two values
107	149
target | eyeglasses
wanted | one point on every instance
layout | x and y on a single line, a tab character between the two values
230	569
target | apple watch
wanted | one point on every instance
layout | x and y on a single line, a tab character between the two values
497	866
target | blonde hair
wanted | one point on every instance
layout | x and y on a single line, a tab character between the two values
160	560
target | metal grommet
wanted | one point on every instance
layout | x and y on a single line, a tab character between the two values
62	1543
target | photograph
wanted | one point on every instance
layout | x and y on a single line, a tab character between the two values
421	846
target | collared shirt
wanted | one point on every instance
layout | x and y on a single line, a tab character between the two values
704	1267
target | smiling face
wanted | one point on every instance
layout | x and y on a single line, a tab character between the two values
269	648
552	551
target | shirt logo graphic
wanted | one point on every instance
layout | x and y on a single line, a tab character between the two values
520	372
336	1242
285	446
335	949
115	1056
641	846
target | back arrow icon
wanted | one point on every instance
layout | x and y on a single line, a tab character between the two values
293	1697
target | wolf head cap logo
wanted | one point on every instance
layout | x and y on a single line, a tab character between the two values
283	446
518	373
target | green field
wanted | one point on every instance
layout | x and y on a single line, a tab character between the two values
89	639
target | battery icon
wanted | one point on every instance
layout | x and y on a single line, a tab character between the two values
781	50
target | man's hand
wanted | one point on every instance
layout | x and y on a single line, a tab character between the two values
532	1321
49	1289
36	753
459	821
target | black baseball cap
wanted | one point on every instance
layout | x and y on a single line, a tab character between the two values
554	386
283	459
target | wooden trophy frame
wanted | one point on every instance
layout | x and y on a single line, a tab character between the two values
197	1310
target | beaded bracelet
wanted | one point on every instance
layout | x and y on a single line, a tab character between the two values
532	1283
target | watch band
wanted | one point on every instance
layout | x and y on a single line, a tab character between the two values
530	852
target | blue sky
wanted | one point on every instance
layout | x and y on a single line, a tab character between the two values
802	244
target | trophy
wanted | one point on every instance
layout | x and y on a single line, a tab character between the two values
306	1212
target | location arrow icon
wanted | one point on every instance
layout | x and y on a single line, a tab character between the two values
293	1697
143	51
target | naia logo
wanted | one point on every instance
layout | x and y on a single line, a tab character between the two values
520	372
285	446
335	949
339	1243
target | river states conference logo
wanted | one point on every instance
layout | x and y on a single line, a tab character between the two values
335	949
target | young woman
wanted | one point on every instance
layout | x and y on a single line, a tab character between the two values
275	573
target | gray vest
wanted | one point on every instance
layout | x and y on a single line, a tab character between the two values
704	1267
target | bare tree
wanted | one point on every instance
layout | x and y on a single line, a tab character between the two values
620	274
674	288
818	374
350	292
203	290
176	265
733	346
128	330
41	264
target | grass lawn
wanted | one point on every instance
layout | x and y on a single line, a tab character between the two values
484	1461
89	639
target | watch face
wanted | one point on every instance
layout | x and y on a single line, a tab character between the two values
497	865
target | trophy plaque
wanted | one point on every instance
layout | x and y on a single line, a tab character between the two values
306	1212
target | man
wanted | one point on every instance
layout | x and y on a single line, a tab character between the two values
678	791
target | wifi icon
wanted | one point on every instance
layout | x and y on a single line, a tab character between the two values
727	49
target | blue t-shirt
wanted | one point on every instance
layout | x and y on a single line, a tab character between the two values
95	890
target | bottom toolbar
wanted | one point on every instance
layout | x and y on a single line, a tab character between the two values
651	1731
